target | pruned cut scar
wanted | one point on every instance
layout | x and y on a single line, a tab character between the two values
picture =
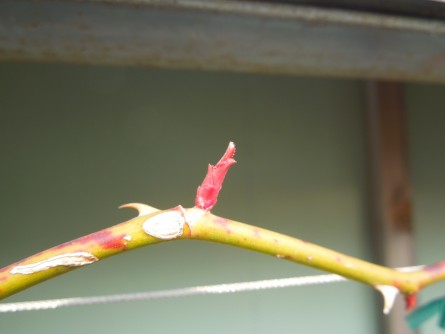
76	259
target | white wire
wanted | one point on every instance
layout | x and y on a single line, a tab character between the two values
40	305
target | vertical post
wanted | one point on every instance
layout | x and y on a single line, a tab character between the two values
391	190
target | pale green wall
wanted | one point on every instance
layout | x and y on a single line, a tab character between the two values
78	141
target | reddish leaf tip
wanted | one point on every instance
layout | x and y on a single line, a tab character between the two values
207	193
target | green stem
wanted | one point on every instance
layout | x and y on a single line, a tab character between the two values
73	254
199	224
213	228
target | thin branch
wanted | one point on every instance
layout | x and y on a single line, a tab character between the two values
152	227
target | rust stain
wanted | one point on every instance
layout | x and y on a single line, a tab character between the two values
401	208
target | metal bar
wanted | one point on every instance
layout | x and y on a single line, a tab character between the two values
223	35
391	188
432	9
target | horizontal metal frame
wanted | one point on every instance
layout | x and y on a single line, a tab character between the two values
223	35
431	9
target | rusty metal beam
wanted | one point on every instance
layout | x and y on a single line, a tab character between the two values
223	35
391	186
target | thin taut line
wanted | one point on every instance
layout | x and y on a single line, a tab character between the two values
50	304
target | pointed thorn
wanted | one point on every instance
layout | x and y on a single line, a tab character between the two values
389	294
143	209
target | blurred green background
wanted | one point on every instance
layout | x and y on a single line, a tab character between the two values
78	141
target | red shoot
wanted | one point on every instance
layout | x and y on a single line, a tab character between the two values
410	301
207	193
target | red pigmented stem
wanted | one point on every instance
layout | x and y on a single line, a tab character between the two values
410	301
207	193
91	248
